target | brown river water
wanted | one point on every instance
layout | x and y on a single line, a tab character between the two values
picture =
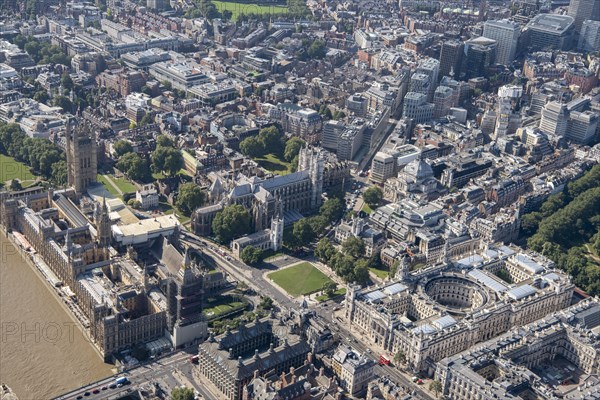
42	351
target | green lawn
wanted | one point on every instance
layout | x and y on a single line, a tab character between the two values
124	184
12	169
380	273
339	292
244	8
417	266
366	208
158	175
216	307
300	279
272	163
165	207
111	189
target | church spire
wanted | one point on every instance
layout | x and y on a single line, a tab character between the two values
187	260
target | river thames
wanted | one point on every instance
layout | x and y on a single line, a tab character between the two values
42	351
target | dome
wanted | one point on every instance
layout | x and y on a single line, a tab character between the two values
419	170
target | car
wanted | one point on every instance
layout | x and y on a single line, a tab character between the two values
120	385
104	387
86	394
79	397
95	391
112	386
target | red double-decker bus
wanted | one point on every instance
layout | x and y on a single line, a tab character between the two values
384	360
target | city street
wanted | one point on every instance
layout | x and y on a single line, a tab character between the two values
168	372
254	277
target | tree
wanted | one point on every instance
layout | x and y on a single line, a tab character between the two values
66	81
146	90
297	7
436	387
292	148
354	247
343	265
332	209
324	250
182	394
252	147
372	196
530	223
317	50
339	114
251	255
208	9
122	147
134	166
400	357
164	141
231	223
266	303
167	159
15	185
318	223
64	103
270	138
41	96
394	269
147	119
134	204
303	233
59	173
189	198
360	274
329	288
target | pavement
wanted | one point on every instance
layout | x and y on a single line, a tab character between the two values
166	373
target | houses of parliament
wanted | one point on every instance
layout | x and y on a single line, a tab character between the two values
125	298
